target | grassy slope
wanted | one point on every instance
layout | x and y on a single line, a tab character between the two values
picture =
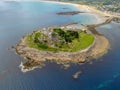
84	41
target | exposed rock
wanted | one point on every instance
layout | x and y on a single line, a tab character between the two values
116	19
69	13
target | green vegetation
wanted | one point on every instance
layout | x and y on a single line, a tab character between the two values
60	40
68	36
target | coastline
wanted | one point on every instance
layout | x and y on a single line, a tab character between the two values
85	7
100	15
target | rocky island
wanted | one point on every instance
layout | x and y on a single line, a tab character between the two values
62	45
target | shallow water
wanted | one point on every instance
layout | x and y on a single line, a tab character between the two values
20	18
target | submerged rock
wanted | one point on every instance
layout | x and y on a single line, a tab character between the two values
76	75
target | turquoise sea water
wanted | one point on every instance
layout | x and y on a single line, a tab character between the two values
20	18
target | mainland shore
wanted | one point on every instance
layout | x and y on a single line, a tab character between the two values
86	8
102	16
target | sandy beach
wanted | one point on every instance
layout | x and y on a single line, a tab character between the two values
92	9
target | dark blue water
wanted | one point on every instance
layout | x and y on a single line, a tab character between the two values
19	18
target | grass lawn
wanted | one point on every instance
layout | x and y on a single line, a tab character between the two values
84	41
